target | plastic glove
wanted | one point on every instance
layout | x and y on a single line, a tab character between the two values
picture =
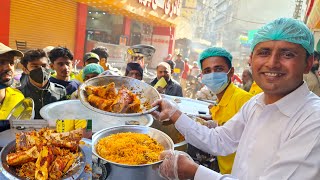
177	165
211	124
166	109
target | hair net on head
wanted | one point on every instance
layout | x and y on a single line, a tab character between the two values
92	68
212	52
285	29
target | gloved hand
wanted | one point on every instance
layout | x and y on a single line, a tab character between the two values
166	109
177	165
211	124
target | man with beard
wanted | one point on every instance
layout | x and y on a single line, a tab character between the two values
246	80
312	78
9	97
38	87
61	61
172	88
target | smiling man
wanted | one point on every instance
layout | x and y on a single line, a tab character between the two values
9	97
276	133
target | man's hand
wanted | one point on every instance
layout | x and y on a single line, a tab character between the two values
161	90
168	110
177	165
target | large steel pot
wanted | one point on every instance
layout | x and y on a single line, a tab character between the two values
177	138
133	172
10	171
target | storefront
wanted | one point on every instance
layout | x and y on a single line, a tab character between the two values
313	20
120	24
81	25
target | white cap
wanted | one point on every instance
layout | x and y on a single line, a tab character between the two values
5	49
166	65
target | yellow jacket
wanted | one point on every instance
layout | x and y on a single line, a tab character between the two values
79	76
69	125
232	100
12	98
255	89
72	75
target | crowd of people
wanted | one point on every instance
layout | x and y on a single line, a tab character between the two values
267	128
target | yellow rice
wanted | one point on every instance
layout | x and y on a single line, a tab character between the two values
129	148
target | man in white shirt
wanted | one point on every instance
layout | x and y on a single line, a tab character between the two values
277	133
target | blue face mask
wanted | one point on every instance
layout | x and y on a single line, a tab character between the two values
216	81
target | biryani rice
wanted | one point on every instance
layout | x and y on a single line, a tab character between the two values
129	148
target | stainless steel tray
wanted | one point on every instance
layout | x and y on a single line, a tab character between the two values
160	136
74	109
189	106
10	172
145	92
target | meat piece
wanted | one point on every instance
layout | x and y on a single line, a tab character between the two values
122	101
106	92
100	103
26	140
43	163
22	157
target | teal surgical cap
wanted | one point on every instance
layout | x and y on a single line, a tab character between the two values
92	68
285	29
212	52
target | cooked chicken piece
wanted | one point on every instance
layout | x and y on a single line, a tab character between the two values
100	103
125	102
43	163
26	140
106	92
22	157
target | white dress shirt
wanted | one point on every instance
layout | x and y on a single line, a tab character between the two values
275	141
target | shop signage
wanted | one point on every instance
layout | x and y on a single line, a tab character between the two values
170	7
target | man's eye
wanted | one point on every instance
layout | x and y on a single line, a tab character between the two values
263	53
288	54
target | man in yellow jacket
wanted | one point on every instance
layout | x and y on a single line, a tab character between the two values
217	70
255	89
9	97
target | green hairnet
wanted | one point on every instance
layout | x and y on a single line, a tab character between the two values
212	52
285	29
92	68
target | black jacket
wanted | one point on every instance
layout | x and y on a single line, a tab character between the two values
52	92
172	88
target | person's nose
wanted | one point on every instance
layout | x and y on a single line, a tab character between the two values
273	61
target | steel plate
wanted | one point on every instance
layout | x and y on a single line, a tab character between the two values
189	106
10	171
74	109
145	92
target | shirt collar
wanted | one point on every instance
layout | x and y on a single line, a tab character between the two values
290	103
227	95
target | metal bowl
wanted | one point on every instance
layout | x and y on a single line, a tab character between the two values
10	171
74	109
144	91
161	138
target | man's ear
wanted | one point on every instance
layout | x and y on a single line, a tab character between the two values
231	72
51	66
309	64
250	60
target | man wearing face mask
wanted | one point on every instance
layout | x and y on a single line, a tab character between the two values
39	88
217	70
9	97
312	78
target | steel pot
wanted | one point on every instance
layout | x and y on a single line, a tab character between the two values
133	172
